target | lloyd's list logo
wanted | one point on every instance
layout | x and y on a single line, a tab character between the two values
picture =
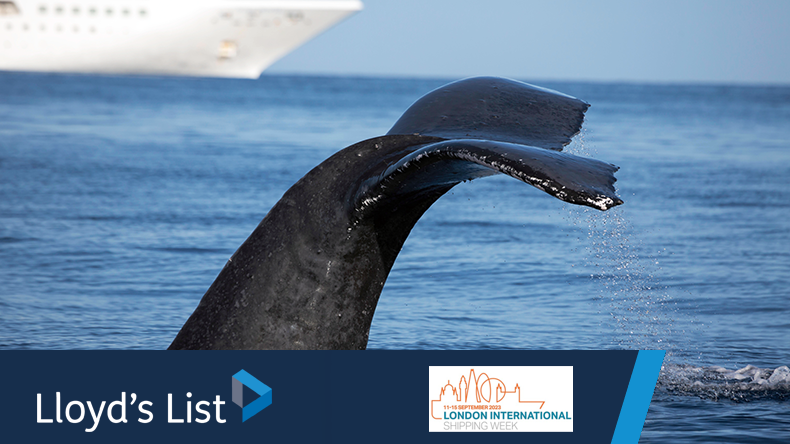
50	410
242	379
500	399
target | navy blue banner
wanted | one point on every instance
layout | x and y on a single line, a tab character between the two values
227	396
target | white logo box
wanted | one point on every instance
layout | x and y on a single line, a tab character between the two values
500	399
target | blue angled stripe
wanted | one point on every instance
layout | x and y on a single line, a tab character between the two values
638	396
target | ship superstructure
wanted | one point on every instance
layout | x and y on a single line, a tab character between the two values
235	38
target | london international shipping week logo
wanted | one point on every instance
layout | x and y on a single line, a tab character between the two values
500	399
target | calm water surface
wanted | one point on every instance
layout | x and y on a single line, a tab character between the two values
121	199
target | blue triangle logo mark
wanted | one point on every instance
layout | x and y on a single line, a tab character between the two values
241	379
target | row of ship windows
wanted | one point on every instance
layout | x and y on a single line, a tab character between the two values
9	8
58	28
26	27
59	10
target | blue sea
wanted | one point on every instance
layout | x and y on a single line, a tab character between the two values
121	198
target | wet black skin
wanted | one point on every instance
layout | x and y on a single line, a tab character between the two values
310	275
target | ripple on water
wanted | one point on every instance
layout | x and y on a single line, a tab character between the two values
746	384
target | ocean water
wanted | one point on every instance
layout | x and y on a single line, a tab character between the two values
121	198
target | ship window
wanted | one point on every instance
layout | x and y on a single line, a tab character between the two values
25	27
8	8
92	11
126	12
42	9
75	11
143	13
108	11
59	9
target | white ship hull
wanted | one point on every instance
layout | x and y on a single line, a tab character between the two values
217	38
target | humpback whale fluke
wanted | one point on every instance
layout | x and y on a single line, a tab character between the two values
310	275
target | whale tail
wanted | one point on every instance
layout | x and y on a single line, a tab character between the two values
490	125
311	273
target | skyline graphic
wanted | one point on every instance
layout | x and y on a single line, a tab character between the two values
483	388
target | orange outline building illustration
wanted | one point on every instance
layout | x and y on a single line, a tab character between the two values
481	383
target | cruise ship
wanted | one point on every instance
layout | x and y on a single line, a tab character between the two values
219	38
